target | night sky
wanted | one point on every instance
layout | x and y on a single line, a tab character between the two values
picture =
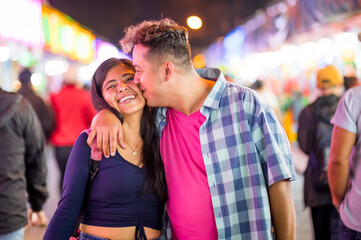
108	18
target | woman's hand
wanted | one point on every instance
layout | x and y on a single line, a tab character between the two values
108	130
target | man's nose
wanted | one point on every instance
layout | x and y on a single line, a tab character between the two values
136	79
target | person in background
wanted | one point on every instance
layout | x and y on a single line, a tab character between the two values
73	113
268	95
349	82
227	160
44	112
344	169
314	139
127	195
23	167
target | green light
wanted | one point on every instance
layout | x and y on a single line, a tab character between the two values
66	38
26	59
46	29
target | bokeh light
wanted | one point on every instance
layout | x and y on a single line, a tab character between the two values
194	22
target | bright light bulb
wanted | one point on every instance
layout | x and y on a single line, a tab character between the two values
35	79
194	22
4	54
55	67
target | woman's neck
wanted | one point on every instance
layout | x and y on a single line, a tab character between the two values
131	129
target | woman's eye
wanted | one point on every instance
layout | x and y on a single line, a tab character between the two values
110	87
130	79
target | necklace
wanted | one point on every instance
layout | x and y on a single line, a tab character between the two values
134	153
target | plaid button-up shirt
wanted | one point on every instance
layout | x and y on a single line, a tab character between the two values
245	151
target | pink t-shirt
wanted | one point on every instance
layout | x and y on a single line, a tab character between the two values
189	206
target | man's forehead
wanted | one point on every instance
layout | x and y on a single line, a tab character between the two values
139	53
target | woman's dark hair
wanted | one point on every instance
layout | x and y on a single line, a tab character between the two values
148	132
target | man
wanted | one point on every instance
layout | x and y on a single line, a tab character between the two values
73	113
43	112
23	167
344	168
227	160
314	138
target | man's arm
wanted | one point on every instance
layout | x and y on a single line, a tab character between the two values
109	131
338	167
282	210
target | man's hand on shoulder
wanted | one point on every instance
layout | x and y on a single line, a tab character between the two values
108	131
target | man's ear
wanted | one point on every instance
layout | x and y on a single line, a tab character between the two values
168	68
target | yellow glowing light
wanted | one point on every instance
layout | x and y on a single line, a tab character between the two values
199	61
194	22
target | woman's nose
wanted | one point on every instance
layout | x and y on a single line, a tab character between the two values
122	87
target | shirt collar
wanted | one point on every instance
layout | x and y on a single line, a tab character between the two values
214	97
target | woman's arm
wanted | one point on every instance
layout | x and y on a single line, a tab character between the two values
66	215
108	130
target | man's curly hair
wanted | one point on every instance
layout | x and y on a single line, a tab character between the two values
165	39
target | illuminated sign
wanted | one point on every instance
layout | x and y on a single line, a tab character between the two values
63	35
20	21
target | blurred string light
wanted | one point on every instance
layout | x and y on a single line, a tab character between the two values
86	72
55	67
35	79
358	60
67	36
194	22
106	50
310	55
20	21
4	54
26	59
328	49
346	43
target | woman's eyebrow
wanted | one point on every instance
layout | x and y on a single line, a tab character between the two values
127	74
110	81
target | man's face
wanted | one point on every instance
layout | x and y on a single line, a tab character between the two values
147	74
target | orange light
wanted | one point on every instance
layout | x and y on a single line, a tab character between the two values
194	22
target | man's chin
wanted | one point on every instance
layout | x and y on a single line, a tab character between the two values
150	104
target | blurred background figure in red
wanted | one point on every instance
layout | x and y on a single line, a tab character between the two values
73	113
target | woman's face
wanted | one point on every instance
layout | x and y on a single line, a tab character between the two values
120	92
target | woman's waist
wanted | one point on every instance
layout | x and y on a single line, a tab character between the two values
119	233
120	219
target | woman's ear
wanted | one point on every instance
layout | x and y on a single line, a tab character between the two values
168	70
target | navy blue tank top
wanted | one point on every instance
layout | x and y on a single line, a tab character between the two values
116	197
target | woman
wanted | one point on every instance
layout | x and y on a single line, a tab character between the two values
127	196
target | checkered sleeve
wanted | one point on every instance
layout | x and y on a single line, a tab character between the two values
270	140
